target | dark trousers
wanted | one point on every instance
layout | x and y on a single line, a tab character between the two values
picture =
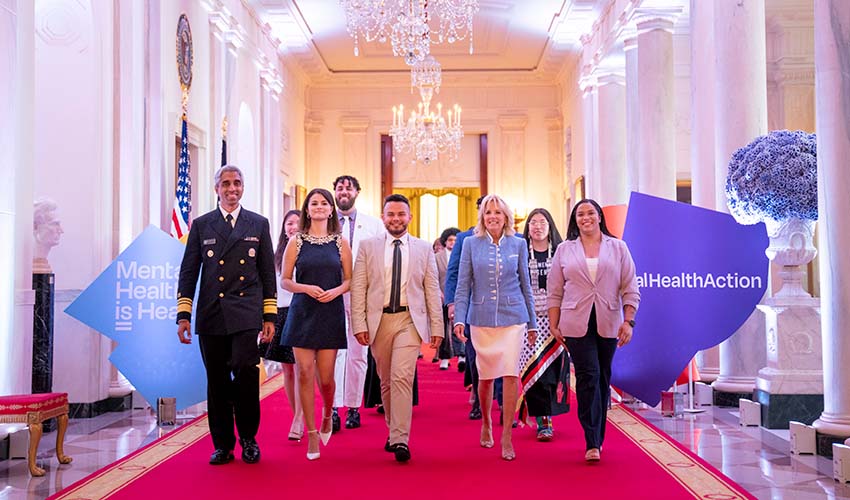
471	371
445	351
233	385
592	356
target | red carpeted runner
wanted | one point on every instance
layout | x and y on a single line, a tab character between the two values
447	461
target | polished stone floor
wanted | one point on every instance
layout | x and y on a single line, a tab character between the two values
754	457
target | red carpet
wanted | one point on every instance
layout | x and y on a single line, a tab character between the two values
447	461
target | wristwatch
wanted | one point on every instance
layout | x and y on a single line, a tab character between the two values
631	323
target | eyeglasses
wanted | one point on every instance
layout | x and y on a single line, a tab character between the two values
538	223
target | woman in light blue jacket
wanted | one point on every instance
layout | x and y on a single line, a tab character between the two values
494	297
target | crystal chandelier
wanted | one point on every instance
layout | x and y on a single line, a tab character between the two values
406	23
426	133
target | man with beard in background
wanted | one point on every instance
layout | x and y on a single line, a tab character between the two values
351	363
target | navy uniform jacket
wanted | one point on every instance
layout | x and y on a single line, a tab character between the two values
238	289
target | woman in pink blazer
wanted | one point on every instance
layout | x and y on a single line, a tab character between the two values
592	301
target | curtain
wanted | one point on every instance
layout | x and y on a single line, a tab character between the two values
467	213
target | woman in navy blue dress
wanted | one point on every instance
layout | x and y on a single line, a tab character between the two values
315	326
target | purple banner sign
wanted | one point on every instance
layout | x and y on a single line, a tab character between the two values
700	275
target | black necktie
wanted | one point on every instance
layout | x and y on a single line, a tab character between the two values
395	288
229	220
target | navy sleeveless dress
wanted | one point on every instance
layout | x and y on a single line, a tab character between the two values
312	324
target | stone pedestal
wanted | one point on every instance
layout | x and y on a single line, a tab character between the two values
42	338
790	387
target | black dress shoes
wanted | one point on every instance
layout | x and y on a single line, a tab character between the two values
461	366
402	452
352	419
380	409
221	457
336	422
250	450
389	448
475	413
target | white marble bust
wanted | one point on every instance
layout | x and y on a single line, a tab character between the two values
47	230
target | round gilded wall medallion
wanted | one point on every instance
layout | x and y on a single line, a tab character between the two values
184	51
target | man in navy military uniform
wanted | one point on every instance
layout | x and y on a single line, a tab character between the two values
231	249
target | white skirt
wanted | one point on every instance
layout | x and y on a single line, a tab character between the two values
497	350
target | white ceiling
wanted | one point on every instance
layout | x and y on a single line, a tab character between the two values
510	36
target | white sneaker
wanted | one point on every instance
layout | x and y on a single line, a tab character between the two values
444	364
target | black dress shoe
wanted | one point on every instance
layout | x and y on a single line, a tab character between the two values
461	366
389	448
221	457
250	450
352	419
380	409
402	452
435	360
336	423
475	414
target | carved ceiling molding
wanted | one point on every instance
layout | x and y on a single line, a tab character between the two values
59	24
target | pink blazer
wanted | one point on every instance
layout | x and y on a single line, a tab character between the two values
570	289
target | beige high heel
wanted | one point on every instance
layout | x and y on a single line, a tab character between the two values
487	442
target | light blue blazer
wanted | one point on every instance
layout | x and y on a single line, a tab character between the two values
493	286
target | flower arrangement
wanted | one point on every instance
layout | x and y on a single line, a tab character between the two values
774	178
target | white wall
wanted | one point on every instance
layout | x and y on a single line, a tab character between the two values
353	118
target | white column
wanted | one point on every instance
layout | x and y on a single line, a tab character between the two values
17	53
740	115
590	126
632	114
312	150
657	148
611	107
702	136
832	101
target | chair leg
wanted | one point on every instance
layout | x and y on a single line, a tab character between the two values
62	422
35	437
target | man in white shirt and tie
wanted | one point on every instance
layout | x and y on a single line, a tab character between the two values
395	306
351	363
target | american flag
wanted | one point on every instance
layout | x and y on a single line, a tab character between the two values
183	193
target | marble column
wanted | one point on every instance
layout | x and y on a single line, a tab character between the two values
832	101
17	56
611	107
657	148
740	115
702	136
632	113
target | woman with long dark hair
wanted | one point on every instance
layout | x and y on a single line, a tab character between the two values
317	270
273	351
543	365
592	299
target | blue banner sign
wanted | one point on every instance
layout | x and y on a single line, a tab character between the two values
700	275
134	302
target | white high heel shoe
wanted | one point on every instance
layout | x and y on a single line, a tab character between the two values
325	436
312	456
